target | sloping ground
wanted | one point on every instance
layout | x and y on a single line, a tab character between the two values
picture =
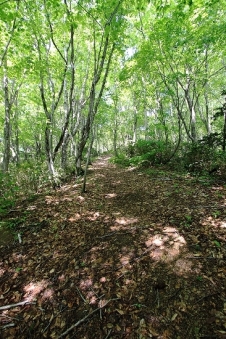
137	256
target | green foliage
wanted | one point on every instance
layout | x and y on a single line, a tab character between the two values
217	244
202	157
26	178
120	159
8	191
156	152
15	222
212	140
143	153
31	176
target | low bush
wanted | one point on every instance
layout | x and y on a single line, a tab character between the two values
156	152
120	159
8	191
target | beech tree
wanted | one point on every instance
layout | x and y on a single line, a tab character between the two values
123	70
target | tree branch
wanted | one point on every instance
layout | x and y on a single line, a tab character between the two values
83	319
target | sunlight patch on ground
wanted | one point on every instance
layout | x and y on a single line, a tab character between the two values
47	294
93	216
126	221
214	222
33	289
88	292
2	271
31	208
130	169
167	246
66	198
62	278
110	195
68	187
184	267
18	257
116	228
80	198
103	279
126	256
85	284
51	200
222	224
76	217
125	259
98	175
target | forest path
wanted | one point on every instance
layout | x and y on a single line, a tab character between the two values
146	251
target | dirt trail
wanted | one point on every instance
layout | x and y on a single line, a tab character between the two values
144	253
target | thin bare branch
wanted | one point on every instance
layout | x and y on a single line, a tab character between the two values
83	319
7	307
51	33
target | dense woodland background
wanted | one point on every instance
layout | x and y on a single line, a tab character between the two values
144	80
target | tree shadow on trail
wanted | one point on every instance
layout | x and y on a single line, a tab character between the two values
148	268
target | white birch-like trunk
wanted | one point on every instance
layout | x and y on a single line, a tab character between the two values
7	124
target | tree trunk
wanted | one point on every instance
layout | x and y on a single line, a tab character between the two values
192	112
224	129
49	155
7	124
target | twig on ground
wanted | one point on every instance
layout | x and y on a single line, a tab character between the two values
101	313
7	307
207	296
157	298
203	258
85	301
107	235
51	319
83	319
108	333
8	325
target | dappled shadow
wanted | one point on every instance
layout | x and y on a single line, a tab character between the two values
148	255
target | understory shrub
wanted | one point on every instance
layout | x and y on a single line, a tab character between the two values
144	153
8	191
156	152
31	176
120	159
200	158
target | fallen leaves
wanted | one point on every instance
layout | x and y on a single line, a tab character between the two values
133	258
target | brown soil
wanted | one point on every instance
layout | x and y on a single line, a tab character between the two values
136	256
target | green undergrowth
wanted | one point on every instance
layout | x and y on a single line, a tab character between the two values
198	160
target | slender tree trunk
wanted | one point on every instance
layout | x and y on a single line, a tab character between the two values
115	136
208	123
224	129
7	124
64	150
192	112
93	100
49	154
87	163
115	127
15	118
135	126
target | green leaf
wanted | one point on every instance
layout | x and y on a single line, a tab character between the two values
217	243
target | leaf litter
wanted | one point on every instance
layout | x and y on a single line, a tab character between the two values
136	256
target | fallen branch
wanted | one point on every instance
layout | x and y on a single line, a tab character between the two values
8	325
204	258
81	295
51	319
2	308
108	333
83	319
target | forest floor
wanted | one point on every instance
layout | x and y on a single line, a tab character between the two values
137	256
